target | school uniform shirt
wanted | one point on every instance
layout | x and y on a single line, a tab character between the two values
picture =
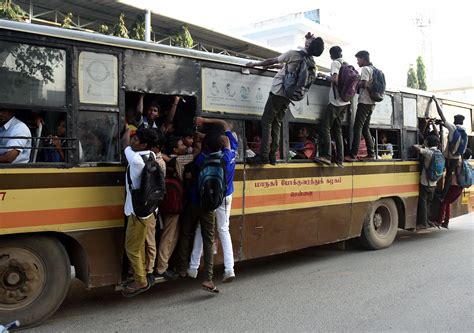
135	166
16	128
336	101
451	129
161	162
290	58
181	162
426	155
366	74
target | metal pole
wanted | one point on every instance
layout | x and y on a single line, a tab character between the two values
30	12
148	26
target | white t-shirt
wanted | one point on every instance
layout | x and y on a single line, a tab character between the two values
135	165
427	154
366	74
447	153
16	128
335	67
290	58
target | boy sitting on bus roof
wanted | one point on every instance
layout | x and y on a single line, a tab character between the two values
15	138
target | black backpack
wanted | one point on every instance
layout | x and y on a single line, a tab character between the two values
296	84
377	88
212	183
146	199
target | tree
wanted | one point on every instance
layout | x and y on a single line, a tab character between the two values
183	38
120	29
104	29
138	28
67	22
412	81
420	73
12	12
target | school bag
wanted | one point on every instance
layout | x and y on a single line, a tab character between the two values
434	172
296	84
465	178
146	199
347	80
377	88
212	184
458	144
173	202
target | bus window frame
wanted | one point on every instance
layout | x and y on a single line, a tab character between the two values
20	38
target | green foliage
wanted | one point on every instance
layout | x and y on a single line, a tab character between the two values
421	73
67	22
138	28
120	30
412	81
183	38
12	12
104	29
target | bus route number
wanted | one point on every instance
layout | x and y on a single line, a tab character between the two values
3	195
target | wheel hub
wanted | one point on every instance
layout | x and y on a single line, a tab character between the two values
377	220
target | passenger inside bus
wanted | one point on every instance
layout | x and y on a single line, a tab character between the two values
15	138
302	146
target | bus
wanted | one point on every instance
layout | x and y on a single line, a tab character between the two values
68	212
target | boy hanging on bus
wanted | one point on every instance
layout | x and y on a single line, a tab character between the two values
334	114
15	138
431	172
455	189
223	211
154	116
278	101
365	107
457	143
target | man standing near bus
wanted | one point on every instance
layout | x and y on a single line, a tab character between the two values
277	102
365	107
334	114
15	139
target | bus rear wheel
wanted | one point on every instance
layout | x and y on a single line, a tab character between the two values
35	273
380	225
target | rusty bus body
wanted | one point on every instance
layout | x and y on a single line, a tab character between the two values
77	207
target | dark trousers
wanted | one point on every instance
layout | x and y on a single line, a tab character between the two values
192	216
273	115
425	197
361	127
451	165
332	120
445	209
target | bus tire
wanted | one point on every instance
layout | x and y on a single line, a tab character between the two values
35	273
380	225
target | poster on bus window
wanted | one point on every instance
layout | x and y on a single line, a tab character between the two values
98	78
382	114
312	105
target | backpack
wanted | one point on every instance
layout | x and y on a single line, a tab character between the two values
296	84
212	183
465	178
347	80
145	200
434	172
377	88
173	202
458	144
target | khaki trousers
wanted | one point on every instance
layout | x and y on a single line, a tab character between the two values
168	240
150	245
135	246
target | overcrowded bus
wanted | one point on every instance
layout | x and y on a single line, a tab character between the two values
67	211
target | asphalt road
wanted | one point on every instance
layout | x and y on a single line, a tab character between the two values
423	283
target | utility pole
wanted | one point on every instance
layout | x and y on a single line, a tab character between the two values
422	23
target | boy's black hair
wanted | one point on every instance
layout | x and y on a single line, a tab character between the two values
459	119
147	136
467	154
363	55
316	47
212	141
160	138
172	143
335	52
187	132
153	104
432	141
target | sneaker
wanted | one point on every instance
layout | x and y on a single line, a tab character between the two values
445	224
323	160
167	275
339	164
192	273
228	277
257	160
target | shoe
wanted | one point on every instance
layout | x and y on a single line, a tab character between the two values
368	158
167	275
433	224
272	159
350	158
228	277
445	224
422	226
257	160
150	278
323	160
192	273
339	164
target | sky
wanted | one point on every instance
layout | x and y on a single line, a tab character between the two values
385	28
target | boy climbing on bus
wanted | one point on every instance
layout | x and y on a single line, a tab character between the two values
154	117
284	90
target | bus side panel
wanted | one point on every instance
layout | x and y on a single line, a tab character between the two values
104	249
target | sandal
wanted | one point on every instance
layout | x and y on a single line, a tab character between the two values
128	291
210	289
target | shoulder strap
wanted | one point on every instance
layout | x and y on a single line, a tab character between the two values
129	179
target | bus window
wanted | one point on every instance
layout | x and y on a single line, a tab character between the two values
237	129
303	141
32	75
98	136
388	144
253	132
